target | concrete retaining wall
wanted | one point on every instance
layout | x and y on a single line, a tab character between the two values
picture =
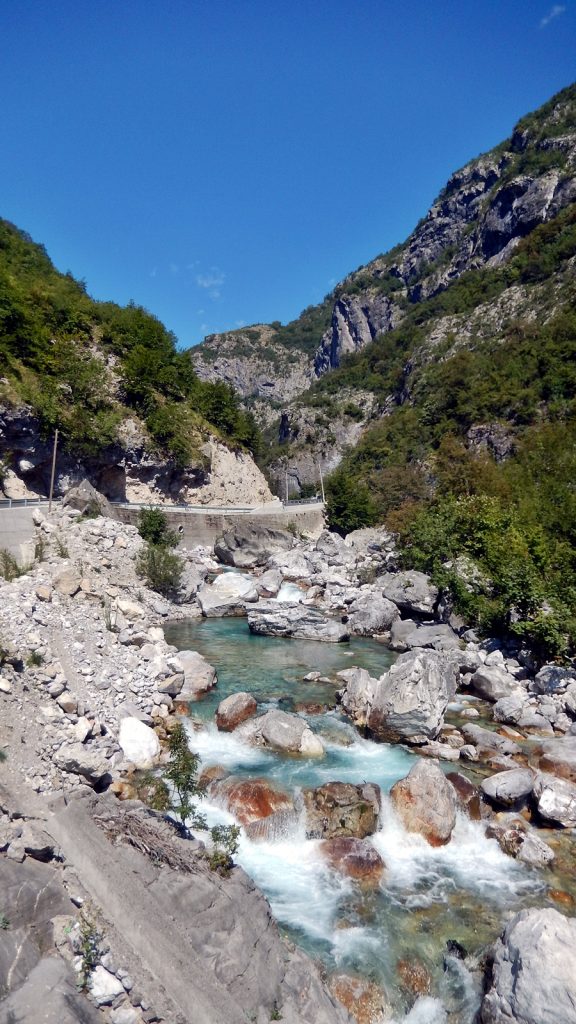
204	527
16	533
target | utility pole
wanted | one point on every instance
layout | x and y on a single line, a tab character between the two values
321	483
53	472
286	483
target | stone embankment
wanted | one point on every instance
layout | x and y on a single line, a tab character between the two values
90	690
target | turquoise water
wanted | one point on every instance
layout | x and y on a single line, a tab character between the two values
461	891
270	668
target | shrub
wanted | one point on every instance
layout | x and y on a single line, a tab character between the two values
179	785
161	568
225	839
153	527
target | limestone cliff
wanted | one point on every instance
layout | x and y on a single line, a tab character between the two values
479	218
132	469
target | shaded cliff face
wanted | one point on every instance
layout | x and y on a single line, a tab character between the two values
485	209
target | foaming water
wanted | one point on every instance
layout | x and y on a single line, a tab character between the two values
224	748
428	896
426	1010
290	592
422	874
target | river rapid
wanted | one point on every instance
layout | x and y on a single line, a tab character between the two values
428	896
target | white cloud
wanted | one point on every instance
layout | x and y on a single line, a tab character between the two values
240	323
553	13
211	281
174	268
154	272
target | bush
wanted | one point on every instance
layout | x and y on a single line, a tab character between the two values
175	791
153	527
161	568
349	505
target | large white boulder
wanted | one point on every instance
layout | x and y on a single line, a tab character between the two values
227	595
533	980
139	742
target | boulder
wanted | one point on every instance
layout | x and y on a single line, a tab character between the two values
269	583
411	698
492	683
467	793
104	986
227	595
518	841
172	686
139	742
532	979
510	709
235	709
509	788
411	591
291	620
199	675
552	679
333	548
406	634
78	759
67	582
557	756
426	803
356	858
130	609
281	731
247	546
339	809
293	565
364	1000
250	799
491	742
87	500
555	799
370	614
357	694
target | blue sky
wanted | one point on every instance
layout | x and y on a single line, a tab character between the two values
225	162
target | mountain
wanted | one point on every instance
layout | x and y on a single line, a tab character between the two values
442	386
132	414
477	221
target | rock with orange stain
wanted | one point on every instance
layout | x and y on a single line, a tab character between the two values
234	710
250	799
366	1002
560	896
467	793
356	858
426	803
414	977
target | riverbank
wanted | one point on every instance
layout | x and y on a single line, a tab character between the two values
85	650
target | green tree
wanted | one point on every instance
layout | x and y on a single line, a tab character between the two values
161	568
349	505
153	527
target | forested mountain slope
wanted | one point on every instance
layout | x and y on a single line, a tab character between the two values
126	402
444	399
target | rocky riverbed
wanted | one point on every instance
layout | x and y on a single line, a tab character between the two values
90	689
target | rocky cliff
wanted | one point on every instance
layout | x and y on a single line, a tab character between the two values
132	469
477	221
130	412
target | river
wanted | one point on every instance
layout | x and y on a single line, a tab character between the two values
428	896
